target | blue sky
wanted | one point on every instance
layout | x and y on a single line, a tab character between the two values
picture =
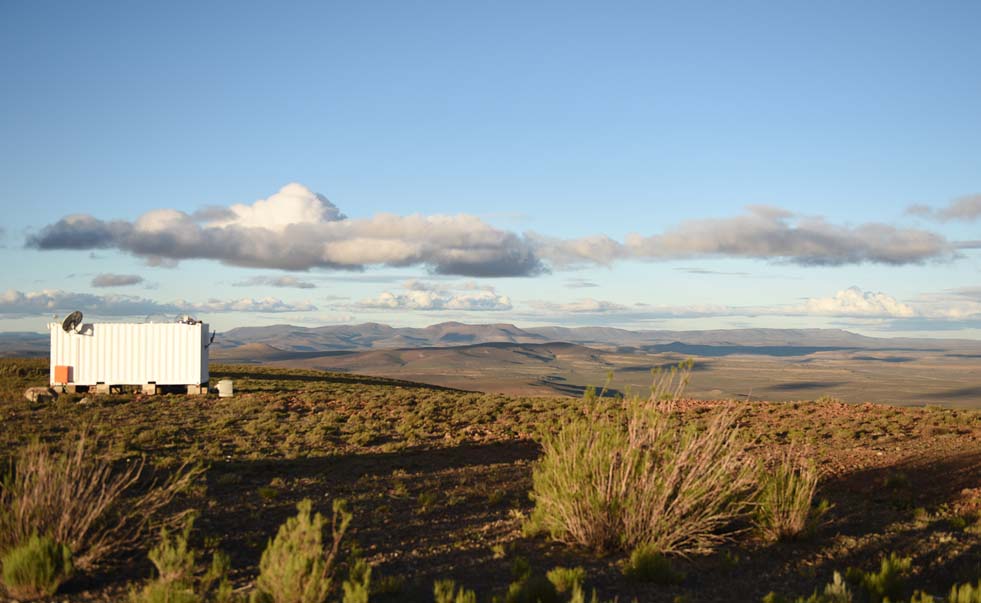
551	132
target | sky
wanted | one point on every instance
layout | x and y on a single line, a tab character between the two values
644	165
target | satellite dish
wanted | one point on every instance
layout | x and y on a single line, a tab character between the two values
72	321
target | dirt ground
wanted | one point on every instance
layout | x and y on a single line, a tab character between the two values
438	480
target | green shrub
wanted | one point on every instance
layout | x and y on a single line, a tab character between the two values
357	586
888	583
445	591
785	508
294	567
566	580
533	588
36	568
965	593
835	591
646	564
178	579
629	472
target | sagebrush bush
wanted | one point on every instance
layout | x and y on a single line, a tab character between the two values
888	583
82	500
785	508
295	568
647	564
178	578
36	568
446	591
632	472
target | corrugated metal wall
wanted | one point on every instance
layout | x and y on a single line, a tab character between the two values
132	354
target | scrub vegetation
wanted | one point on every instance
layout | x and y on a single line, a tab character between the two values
310	486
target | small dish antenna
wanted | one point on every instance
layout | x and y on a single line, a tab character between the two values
72	322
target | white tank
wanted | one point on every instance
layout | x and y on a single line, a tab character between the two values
131	354
225	388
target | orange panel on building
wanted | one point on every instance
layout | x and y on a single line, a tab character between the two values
63	374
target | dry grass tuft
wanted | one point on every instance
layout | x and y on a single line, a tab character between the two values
632	473
785	507
83	501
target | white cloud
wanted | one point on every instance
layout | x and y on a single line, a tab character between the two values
51	301
852	302
581	306
418	295
297	229
855	302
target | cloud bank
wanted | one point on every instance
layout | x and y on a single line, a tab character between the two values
51	301
852	302
297	229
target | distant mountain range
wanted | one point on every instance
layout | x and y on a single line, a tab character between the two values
266	343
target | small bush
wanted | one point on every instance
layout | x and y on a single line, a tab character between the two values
178	579
648	565
965	593
357	587
566	580
835	591
36	568
81	500
785	508
630	472
533	588
294	568
445	591
888	583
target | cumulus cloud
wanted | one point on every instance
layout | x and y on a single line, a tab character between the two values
856	302
116	280
50	301
276	281
297	229
417	295
966	209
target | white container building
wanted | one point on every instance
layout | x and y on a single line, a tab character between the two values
106	354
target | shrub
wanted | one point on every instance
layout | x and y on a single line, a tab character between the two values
835	591
785	508
177	578
965	593
646	564
566	580
294	567
445	591
630	472
888	583
80	500
358	584
532	588
36	568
